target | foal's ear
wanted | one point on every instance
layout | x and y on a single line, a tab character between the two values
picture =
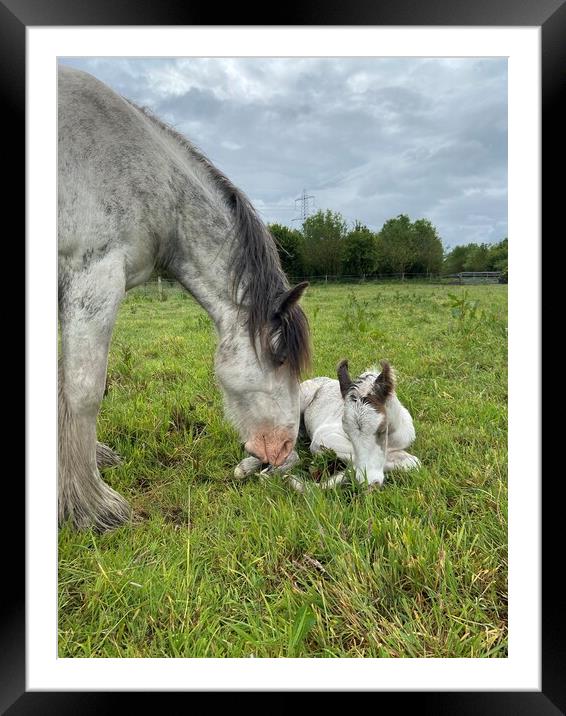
385	382
290	297
344	377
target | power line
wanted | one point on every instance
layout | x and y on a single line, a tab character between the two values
305	206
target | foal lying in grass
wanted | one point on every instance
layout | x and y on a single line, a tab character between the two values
361	420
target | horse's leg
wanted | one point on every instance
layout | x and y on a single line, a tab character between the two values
106	457
88	305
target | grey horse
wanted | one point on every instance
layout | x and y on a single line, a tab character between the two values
135	195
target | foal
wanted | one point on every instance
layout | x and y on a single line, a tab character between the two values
361	420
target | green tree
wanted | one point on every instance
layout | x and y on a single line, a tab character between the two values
477	258
427	248
360	251
497	258
290	245
396	244
324	234
455	259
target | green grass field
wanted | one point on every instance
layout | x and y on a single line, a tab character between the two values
223	568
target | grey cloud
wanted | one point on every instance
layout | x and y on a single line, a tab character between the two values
196	103
400	100
369	137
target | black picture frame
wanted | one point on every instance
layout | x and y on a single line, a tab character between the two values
550	16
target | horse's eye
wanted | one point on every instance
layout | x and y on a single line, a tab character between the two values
278	357
278	352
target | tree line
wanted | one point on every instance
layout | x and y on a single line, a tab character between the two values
326	246
477	257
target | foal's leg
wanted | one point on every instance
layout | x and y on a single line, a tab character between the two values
251	465
292	459
400	460
335	442
248	466
89	301
338	478
343	450
401	435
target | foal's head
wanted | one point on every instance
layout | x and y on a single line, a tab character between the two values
365	418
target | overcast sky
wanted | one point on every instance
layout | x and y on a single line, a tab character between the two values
368	137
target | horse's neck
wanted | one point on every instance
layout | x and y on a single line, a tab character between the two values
200	260
210	285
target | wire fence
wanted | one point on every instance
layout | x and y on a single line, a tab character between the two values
458	278
161	288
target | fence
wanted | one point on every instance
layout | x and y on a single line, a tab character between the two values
369	278
478	277
162	288
464	277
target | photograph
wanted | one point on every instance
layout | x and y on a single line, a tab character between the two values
282	294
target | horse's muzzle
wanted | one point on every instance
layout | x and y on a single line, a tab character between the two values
272	447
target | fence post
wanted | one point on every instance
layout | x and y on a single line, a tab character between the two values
159	288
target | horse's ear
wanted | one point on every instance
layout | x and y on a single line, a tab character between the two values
344	377
290	297
385	382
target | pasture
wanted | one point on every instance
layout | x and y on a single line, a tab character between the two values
216	567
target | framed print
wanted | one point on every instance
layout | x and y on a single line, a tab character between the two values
487	676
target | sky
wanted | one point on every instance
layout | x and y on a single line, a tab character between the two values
371	138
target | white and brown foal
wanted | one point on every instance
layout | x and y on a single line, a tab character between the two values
361	420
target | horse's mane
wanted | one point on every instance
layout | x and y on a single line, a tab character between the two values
256	270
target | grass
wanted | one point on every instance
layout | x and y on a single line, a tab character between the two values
226	568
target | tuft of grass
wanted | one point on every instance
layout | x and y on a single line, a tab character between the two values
223	568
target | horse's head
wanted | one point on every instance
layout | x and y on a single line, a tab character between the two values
365	418
260	382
